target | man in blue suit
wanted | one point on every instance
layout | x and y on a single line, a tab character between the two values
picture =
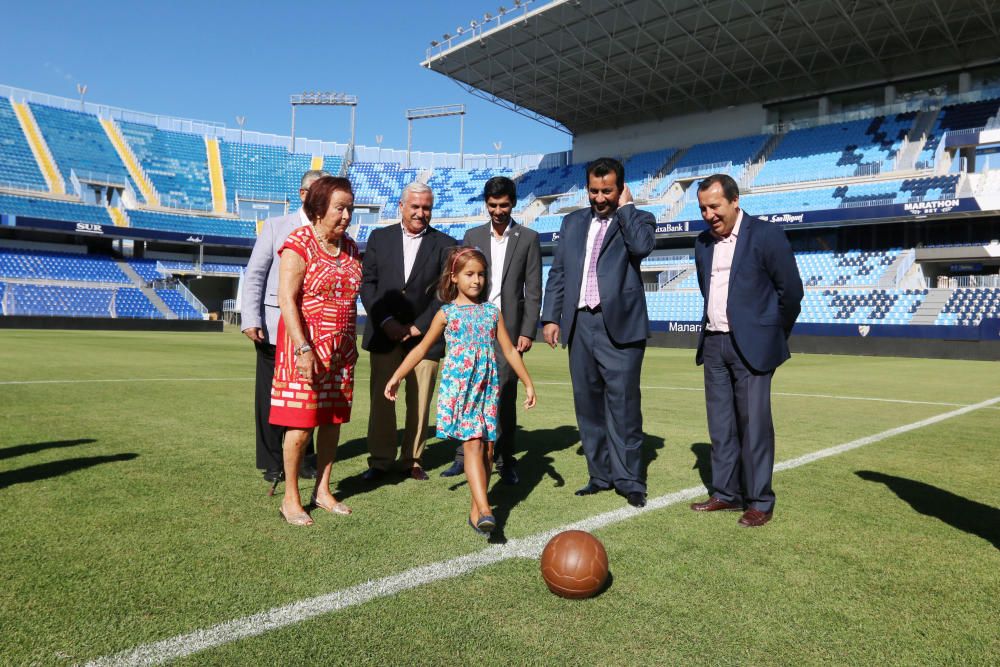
259	316
595	303
753	294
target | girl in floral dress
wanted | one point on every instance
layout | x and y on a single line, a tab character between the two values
470	389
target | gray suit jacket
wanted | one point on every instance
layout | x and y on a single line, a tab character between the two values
521	288
259	307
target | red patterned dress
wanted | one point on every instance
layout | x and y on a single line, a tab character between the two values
328	304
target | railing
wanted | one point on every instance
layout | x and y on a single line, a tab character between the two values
192	299
708	168
991	280
24	187
907	259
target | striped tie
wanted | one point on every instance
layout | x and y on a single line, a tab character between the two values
593	294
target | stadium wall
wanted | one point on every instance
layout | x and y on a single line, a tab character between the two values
108	324
678	132
925	342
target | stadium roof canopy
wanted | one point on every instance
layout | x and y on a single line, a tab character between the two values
585	65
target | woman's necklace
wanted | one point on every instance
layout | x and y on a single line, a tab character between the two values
332	248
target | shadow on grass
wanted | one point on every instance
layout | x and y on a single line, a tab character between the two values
57	468
21	450
703	463
534	464
966	515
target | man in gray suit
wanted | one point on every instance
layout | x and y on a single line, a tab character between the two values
259	317
515	270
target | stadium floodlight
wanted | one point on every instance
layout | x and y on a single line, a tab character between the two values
486	16
82	89
324	99
447	36
420	113
459	30
473	24
241	120
501	10
434	42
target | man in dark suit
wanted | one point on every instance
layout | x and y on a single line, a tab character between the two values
595	303
259	316
753	294
515	280
400	272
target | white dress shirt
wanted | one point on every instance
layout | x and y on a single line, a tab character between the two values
302	217
498	253
411	245
722	263
595	226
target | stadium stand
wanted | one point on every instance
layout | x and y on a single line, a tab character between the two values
957	117
458	193
51	209
79	143
548	182
188	224
18	167
255	170
176	302
968	306
175	162
855	148
380	183
59	266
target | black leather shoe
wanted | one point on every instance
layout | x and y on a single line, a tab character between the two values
456	468
508	476
589	490
307	471
417	473
274	475
373	475
636	499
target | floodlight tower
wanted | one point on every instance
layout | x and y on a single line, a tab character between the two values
420	113
324	99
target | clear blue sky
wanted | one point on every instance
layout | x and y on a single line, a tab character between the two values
215	60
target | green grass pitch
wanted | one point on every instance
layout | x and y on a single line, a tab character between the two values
131	512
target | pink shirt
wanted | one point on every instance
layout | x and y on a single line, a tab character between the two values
718	293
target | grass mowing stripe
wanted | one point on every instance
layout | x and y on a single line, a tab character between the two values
279	617
559	384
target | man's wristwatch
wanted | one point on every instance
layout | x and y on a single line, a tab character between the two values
302	349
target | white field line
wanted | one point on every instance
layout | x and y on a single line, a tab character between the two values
554	384
530	547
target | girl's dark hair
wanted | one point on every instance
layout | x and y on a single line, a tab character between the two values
317	200
458	257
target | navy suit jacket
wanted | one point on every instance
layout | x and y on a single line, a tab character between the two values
630	237
384	293
765	292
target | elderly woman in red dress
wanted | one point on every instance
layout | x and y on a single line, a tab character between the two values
318	281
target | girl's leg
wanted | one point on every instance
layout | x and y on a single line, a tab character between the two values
327	438
475	474
292	450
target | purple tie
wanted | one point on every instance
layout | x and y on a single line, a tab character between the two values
593	296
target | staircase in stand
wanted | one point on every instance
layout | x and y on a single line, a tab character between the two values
39	148
215	176
130	161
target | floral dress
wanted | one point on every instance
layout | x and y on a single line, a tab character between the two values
328	306
470	387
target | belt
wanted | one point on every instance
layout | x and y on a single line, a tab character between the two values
716	333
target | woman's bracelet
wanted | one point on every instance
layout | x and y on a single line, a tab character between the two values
302	349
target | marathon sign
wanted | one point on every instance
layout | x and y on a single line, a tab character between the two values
931	207
859	213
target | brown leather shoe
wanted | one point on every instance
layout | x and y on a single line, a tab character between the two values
714	504
753	518
417	473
